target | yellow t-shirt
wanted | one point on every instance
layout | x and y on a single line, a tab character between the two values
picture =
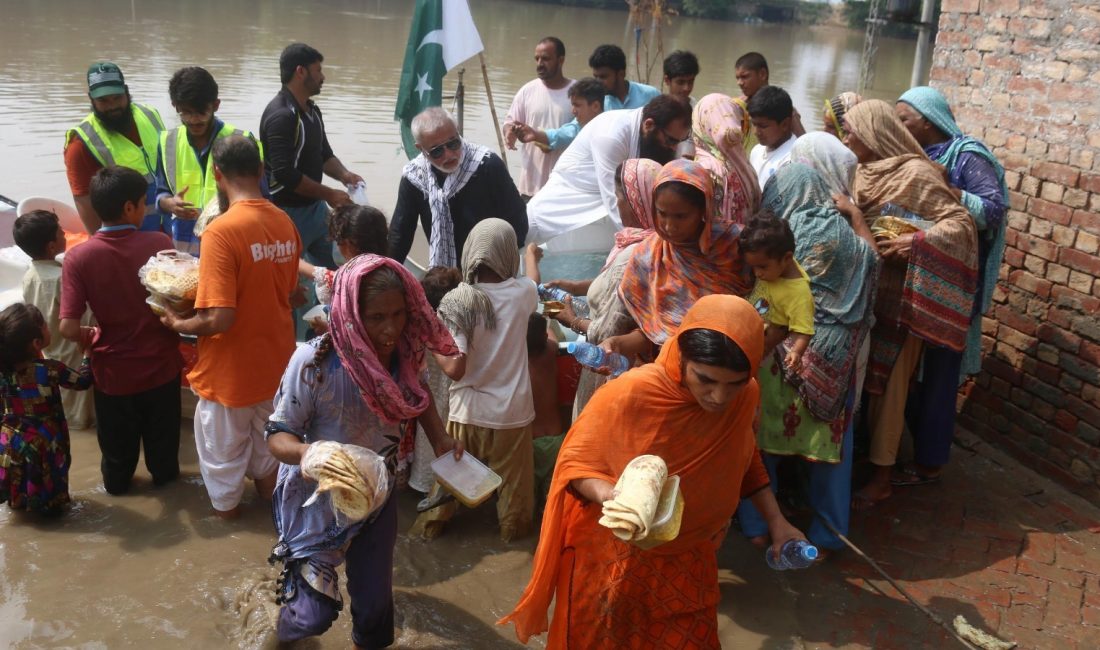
788	302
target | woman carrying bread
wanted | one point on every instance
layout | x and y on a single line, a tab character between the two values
928	278
359	384
693	408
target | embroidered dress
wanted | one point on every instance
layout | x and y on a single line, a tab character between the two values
34	435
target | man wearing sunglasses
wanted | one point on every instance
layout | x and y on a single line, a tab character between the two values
448	188
581	189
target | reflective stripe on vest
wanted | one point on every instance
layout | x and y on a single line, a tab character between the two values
181	166
112	148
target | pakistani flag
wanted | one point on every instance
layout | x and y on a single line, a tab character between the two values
443	35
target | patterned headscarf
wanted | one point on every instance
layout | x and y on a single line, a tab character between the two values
492	244
639	174
718	127
391	399
800	187
837	107
829	157
663	280
931	104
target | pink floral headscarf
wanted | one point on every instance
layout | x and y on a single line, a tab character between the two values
719	126
391	400
639	176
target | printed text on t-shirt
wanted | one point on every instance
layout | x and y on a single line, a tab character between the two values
280	252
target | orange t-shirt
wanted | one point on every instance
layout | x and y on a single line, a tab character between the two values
249	262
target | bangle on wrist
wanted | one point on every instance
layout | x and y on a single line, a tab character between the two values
576	326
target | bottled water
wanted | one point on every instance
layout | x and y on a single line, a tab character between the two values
580	305
594	356
795	554
358	193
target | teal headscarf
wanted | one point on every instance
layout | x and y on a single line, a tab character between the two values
798	187
843	272
931	104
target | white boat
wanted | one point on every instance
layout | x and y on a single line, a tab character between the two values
13	261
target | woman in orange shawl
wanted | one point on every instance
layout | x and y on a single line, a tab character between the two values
693	408
693	253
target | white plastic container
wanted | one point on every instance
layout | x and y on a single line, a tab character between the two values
670	511
469	479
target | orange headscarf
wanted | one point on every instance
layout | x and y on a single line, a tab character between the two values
648	411
663	279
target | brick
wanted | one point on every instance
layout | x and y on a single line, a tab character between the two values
1039	547
1084	262
1059	214
1090	353
1086	219
1048	373
959	6
1075	198
1042	228
1063	235
1087	242
1036	265
1052	192
1016	338
1057	273
1024	616
1062	174
1029	282
1082	302
1088	433
1029	185
1063	607
1083	370
1065	421
1080	282
1059	337
1087	326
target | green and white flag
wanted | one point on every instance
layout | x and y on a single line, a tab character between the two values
442	36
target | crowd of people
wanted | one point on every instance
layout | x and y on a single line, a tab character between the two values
764	318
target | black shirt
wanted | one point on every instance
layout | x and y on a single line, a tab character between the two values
490	192
295	145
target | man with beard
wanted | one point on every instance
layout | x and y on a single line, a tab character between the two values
185	169
449	187
541	103
298	155
608	63
248	268
581	190
119	132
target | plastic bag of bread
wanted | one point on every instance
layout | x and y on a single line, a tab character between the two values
172	279
355	478
637	494
212	210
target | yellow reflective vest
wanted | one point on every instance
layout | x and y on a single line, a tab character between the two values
182	169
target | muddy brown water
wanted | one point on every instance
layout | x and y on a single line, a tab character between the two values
155	569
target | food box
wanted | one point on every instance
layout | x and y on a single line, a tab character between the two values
469	479
666	522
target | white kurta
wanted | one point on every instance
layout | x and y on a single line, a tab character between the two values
541	108
581	189
767	162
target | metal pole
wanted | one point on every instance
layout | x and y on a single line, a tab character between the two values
492	107
460	100
921	62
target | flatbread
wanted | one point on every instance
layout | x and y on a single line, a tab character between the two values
637	494
352	483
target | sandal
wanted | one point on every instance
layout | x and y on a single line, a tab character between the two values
909	476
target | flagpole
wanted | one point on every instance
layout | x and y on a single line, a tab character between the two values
492	108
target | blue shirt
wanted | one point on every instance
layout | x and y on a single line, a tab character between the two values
637	96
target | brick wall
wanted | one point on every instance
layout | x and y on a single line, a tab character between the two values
1024	76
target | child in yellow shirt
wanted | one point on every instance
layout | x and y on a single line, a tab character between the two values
782	292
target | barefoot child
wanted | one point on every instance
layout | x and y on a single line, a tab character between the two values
38	233
782	287
34	436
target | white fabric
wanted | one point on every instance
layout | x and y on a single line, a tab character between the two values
581	189
231	447
540	108
441	245
459	36
495	392
767	162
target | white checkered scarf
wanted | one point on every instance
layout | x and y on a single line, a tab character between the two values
441	247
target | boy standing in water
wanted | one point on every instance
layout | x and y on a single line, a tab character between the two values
136	360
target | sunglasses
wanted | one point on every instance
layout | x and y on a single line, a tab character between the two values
454	144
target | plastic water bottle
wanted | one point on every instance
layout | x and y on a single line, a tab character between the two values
594	356
795	554
894	210
580	305
358	193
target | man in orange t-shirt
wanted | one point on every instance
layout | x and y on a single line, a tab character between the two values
243	320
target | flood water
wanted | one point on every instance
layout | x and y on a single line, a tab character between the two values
155	569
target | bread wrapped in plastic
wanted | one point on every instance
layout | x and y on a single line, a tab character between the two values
637	493
355	478
172	278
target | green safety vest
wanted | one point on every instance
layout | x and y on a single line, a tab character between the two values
111	148
181	166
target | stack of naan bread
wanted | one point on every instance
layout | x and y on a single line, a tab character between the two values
638	492
355	477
